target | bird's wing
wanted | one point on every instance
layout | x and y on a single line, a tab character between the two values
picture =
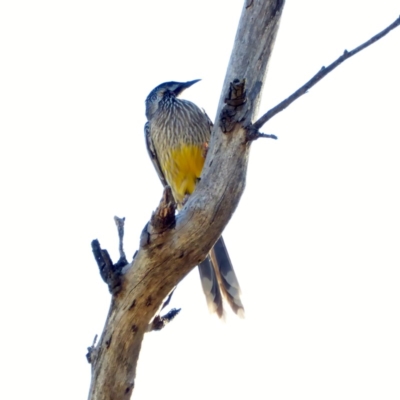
152	153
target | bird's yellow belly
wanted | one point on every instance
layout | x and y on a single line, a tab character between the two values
182	168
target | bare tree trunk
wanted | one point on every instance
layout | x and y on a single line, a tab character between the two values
171	247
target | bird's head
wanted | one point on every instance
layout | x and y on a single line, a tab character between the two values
163	91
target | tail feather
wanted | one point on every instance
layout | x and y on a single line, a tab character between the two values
209	283
218	276
226	276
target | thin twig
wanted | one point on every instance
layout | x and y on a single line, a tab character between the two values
120	222
159	322
267	136
91	349
321	74
168	299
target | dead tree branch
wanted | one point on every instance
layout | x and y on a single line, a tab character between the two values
172	245
324	71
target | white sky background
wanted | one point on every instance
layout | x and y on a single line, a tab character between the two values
315	239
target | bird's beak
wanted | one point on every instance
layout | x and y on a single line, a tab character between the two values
184	85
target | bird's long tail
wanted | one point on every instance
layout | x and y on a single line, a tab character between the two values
210	287
218	276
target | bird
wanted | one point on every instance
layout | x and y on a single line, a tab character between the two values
177	133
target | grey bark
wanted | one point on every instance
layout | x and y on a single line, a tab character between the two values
171	247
